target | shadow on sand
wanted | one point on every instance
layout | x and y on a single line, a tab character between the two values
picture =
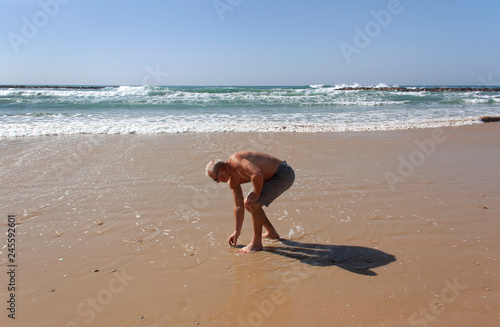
356	259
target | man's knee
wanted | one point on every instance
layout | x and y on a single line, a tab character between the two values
254	207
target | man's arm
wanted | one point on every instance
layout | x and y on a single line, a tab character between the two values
239	213
256	177
254	173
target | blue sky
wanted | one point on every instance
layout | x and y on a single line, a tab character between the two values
249	42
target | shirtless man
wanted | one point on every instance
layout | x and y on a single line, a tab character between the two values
269	176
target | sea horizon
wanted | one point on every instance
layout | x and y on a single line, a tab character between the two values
337	85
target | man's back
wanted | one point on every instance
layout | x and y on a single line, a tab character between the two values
266	163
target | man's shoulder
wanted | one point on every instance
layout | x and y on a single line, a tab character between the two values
237	156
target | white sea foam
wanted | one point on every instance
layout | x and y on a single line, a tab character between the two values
342	86
204	125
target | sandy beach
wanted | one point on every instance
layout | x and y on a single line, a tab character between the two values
395	228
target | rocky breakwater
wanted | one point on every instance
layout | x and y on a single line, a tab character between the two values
420	89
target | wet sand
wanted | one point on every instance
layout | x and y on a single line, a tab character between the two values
380	229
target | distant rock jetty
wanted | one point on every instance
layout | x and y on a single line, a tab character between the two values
420	89
490	119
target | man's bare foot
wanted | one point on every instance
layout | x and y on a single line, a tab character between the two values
250	248
271	235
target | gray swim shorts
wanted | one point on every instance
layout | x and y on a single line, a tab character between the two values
280	182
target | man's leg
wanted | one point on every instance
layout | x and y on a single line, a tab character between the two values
271	232
258	219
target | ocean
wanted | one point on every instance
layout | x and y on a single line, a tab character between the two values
65	110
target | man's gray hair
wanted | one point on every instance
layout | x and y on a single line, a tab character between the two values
213	166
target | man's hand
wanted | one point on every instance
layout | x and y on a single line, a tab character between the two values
233	239
251	198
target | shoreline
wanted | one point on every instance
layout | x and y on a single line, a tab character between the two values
394	228
294	129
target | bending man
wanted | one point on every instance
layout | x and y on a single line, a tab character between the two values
270	177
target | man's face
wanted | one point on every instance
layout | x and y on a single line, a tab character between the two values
220	176
216	176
